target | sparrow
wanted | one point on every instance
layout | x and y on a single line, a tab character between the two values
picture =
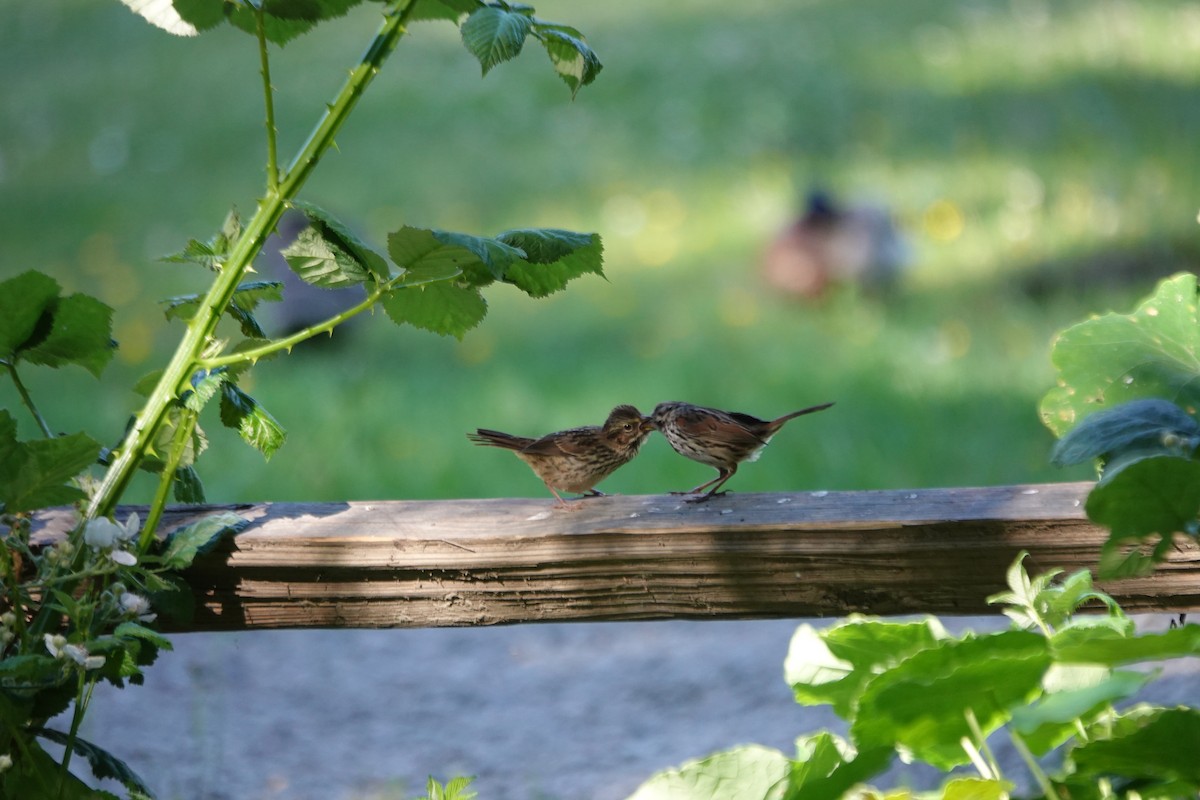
576	460
721	439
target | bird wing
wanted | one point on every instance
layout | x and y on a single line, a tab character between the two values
718	426
571	443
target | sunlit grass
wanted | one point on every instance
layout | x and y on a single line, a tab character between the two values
1014	142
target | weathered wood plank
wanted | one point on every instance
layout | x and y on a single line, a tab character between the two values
487	562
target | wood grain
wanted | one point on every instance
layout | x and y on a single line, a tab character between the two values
486	562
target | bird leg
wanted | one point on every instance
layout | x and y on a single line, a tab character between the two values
719	481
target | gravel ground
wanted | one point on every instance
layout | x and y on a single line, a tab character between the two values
536	712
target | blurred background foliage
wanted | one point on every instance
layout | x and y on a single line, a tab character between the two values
1039	158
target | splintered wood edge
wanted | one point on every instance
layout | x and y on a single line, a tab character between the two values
427	563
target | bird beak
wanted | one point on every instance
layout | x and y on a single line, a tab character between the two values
648	424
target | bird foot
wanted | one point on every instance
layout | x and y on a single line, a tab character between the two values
704	497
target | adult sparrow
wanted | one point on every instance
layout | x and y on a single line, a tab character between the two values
576	460
721	439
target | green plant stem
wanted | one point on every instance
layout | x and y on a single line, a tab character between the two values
82	698
288	342
1035	769
981	747
268	101
202	326
187	424
27	399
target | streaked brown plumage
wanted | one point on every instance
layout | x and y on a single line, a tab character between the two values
721	439
576	460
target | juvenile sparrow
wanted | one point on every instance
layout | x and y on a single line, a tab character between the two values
721	439
576	460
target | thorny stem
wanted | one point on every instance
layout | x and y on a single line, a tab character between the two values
991	766
252	355
268	101
183	432
27	399
202	326
82	699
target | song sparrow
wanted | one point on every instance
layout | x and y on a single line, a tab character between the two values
576	460
721	439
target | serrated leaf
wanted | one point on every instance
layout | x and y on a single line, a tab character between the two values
320	261
1082	646
494	35
343	240
817	756
25	305
1146	424
244	414
1109	360
1157	746
922	702
80	333
553	258
864	765
30	670
834	665
182	546
742	772
570	55
426	258
495	255
104	764
284	19
133	630
442	307
34	474
188	487
205	384
1157	496
1050	721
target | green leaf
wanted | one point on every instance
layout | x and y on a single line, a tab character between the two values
1109	360
494	35
426	258
34	474
103	764
1147	500
1050	721
833	665
742	772
26	305
1160	745
71	330
922	702
552	258
343	242
284	19
182	546
976	789
573	60
133	630
205	384
494	254
188	487
1081	646
817	756
30	670
323	262
211	254
241	305
1143	425
443	307
35	774
257	427
866	764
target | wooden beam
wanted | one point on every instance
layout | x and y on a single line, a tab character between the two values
420	563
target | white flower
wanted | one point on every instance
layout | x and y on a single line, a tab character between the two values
8	619
55	642
136	606
58	647
5	762
101	533
104	534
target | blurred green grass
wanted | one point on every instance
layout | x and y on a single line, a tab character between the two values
1040	157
